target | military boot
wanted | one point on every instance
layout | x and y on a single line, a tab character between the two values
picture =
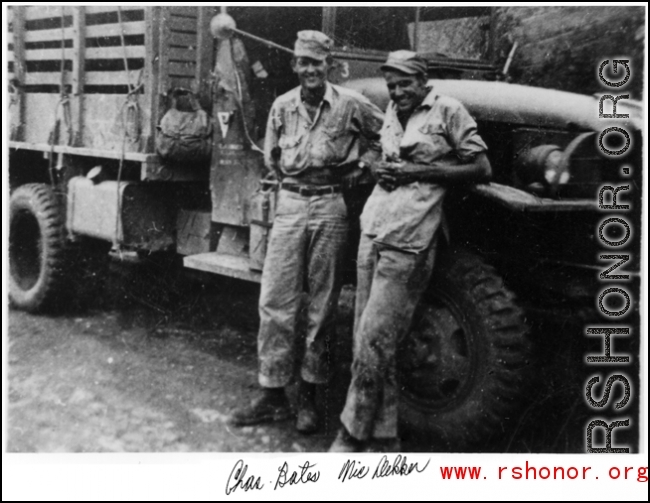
271	405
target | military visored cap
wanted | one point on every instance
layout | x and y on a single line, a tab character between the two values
405	61
312	44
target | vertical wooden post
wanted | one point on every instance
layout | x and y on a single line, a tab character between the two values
78	69
163	50
329	21
152	16
204	53
19	68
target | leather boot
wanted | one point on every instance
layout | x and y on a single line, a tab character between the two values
271	405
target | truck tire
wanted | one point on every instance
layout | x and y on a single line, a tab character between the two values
464	365
37	240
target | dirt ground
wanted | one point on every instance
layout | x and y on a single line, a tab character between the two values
158	360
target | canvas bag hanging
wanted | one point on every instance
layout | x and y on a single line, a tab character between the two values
184	136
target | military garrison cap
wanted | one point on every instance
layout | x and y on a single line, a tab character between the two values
312	44
405	61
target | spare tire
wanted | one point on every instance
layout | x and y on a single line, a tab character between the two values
465	363
37	240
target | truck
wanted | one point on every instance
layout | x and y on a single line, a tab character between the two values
90	88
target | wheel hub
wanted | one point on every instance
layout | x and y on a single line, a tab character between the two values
25	250
436	355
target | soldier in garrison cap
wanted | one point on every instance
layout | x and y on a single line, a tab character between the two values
428	142
312	144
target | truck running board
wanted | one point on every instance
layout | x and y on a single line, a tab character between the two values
226	265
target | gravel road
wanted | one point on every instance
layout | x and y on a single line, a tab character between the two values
159	360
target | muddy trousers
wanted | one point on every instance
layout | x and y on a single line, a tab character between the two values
307	247
390	283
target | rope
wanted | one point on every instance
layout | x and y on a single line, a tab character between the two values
116	244
64	104
130	108
238	99
263	40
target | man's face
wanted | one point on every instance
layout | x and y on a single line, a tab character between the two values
312	73
407	91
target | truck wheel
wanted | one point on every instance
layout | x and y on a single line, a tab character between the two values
36	247
465	362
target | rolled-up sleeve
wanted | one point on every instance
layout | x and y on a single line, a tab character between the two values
463	134
369	120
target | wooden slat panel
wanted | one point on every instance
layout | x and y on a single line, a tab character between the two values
45	11
184	11
118	78
10	55
46	78
205	44
10	38
39	115
152	101
176	54
115	52
10	14
183	24
78	70
47	54
184	82
44	35
88	152
111	8
18	119
182	69
113	30
183	39
103	126
163	50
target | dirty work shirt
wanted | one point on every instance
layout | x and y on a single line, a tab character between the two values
331	139
308	238
408	217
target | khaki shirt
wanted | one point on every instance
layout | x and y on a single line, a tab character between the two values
332	139
409	216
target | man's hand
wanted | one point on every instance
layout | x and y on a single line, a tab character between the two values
390	175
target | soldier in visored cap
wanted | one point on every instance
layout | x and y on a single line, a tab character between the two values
428	143
313	145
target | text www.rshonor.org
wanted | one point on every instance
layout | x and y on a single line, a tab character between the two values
532	472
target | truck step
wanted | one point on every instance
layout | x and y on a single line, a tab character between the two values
226	265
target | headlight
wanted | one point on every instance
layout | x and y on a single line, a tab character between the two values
545	168
542	167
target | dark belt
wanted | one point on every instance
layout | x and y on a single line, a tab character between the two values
311	190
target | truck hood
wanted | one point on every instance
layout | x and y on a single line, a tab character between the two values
522	105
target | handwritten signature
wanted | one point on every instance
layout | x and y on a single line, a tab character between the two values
399	466
238	478
239	481
305	475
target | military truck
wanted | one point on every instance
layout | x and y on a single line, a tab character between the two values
90	87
